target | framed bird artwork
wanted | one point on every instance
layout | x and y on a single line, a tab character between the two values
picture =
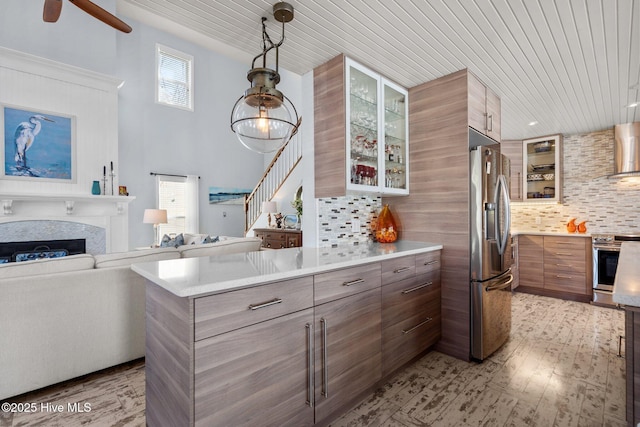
37	145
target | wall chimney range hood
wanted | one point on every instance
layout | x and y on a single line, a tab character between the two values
626	151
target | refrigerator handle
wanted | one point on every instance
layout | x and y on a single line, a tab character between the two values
502	230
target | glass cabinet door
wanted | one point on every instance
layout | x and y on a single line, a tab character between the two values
543	171
377	129
395	138
363	121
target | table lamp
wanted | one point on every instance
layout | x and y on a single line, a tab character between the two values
269	208
155	217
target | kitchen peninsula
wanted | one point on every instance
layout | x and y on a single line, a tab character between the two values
626	292
287	337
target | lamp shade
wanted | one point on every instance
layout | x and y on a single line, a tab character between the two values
269	207
155	216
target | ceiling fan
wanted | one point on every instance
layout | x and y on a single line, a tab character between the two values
52	10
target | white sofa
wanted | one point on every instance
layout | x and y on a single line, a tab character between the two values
66	317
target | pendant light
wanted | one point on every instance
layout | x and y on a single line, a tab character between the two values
263	118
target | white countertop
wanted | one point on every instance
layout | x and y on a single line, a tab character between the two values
549	233
626	286
191	277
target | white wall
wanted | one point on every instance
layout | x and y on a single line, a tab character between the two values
161	139
154	138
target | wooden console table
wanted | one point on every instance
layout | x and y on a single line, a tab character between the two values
278	238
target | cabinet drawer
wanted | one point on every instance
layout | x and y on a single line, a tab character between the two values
216	314
565	264
338	284
271	236
409	297
566	282
428	262
397	269
405	340
565	244
273	244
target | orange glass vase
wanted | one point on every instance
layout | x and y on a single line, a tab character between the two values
386	229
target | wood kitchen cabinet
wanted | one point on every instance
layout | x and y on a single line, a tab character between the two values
556	266
542	169
211	361
484	109
361	131
296	352
513	150
410	309
348	337
279	238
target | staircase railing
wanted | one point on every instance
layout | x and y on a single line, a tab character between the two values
283	163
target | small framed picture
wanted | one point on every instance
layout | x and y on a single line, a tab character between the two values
122	190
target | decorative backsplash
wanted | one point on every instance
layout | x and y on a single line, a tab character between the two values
336	216
608	205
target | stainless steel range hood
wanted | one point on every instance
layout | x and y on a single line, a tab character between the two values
626	151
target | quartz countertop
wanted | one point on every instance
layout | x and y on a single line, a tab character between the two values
626	286
192	277
549	233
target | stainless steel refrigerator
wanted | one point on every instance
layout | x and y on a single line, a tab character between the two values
491	258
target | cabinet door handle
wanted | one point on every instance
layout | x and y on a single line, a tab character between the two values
265	304
310	390
429	319
408	291
402	270
489	122
325	362
562	276
564	253
564	265
430	262
353	282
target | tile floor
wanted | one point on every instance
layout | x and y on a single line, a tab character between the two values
559	368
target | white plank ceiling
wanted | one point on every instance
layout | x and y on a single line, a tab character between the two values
573	66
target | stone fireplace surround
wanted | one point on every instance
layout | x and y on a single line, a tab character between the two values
101	220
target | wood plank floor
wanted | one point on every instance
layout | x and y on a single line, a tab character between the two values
559	368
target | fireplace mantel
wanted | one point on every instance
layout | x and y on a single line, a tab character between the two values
69	200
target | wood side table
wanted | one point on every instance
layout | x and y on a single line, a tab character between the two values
278	238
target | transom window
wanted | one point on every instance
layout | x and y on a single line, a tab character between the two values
174	78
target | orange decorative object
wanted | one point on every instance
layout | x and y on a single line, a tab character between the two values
571	226
582	228
386	229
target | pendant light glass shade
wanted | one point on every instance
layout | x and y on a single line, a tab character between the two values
263	129
263	118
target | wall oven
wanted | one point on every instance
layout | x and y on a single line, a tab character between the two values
606	251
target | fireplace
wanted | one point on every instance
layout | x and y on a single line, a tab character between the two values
39	249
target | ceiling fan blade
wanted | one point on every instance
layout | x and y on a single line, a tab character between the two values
101	14
51	11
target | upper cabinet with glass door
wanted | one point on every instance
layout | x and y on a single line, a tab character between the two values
376	133
542	164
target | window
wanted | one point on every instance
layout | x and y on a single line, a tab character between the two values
179	196
174	78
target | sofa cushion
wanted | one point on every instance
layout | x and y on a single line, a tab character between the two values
176	241
228	246
121	259
46	266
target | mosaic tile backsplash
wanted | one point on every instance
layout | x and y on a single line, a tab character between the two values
608	205
336	216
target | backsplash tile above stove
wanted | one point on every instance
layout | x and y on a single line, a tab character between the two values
608	205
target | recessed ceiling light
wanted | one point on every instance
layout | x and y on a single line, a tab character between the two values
533	123
633	105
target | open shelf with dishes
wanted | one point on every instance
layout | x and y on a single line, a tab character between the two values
542	164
